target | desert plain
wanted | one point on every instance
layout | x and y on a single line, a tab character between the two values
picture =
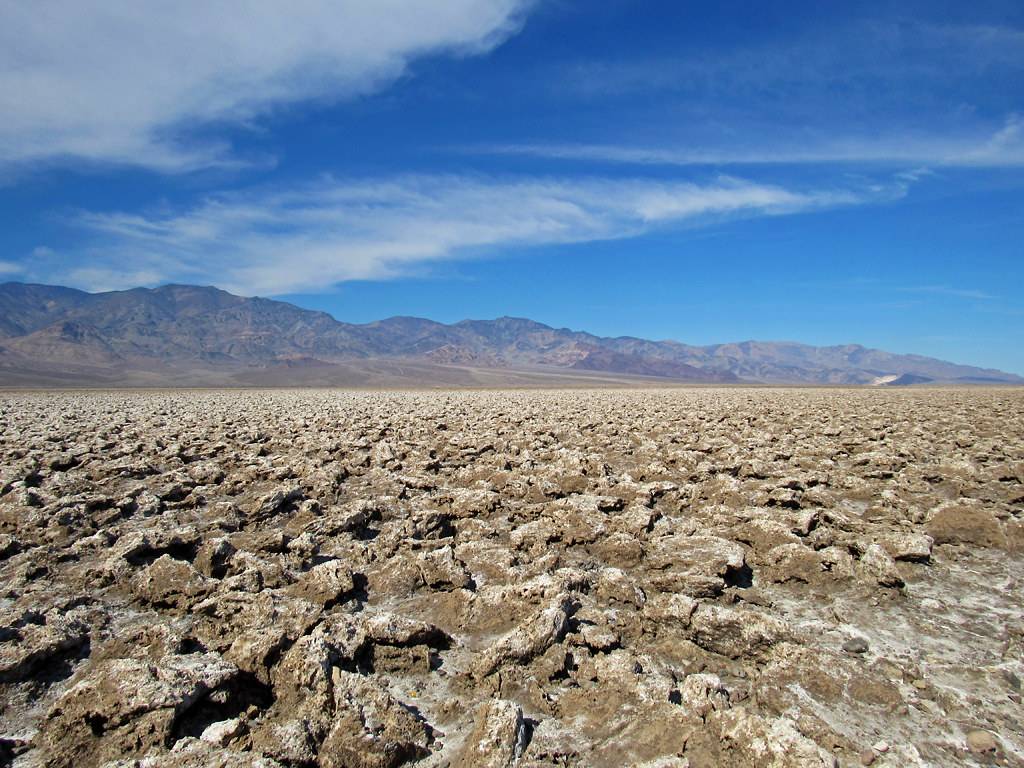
665	578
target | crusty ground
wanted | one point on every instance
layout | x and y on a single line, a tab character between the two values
702	577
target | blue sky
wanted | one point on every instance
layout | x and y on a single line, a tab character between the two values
822	172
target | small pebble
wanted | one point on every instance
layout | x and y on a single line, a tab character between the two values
880	746
867	757
856	645
980	742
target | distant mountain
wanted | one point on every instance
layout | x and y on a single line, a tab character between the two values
191	335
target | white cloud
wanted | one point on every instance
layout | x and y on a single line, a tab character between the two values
120	80
1003	147
310	238
9	268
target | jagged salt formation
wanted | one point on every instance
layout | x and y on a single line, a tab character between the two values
659	578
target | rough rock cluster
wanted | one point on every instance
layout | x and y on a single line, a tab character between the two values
702	577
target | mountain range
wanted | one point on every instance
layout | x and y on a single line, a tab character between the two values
183	335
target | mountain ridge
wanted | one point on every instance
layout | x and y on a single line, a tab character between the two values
185	335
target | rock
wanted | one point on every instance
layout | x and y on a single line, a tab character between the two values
795	563
615	587
221	733
868	757
700	566
429	525
294	727
497	739
837	561
251	630
981	742
196	753
392	629
959	524
598	638
467	503
170	583
736	632
876	564
213	557
8	546
384	453
671	612
440	569
914	547
535	535
352	518
764	534
702	694
278	500
371	729
304	545
527	640
760	741
148	504
126	706
33	642
856	645
325	584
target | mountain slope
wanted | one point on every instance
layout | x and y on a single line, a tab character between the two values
180	334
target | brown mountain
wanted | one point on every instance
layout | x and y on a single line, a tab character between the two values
190	335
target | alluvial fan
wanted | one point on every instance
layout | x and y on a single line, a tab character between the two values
712	577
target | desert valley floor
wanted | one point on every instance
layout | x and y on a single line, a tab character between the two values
695	577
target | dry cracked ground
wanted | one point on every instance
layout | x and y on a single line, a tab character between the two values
663	578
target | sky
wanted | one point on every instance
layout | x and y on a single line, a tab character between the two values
828	173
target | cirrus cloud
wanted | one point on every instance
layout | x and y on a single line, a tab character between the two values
311	237
1003	147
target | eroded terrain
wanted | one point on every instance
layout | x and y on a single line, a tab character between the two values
664	578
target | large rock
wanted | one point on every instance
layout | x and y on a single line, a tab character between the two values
497	739
750	740
170	583
371	729
876	565
736	632
701	566
325	584
32	642
441	570
292	730
795	563
528	640
906	545
962	524
252	630
128	707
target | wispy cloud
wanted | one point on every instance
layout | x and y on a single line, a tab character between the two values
9	268
838	62
311	237
945	290
1002	148
884	90
127	82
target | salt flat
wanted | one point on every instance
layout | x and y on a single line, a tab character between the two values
702	577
